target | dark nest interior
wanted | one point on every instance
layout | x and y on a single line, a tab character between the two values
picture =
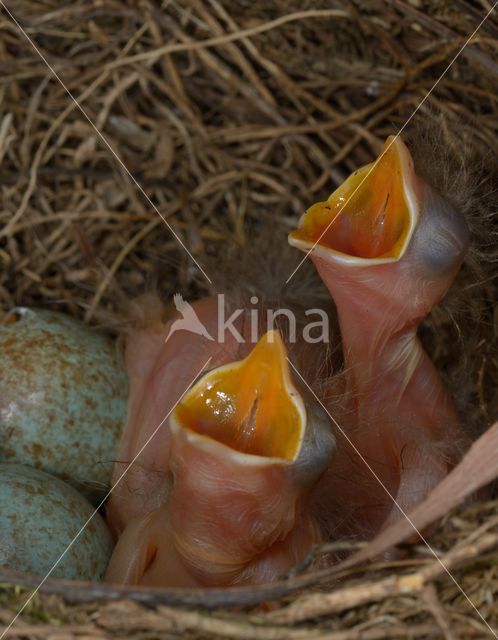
225	117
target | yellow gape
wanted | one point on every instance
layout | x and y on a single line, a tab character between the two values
368	216
250	405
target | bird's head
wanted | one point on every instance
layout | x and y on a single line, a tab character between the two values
246	448
384	225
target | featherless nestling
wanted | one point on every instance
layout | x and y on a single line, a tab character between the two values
282	442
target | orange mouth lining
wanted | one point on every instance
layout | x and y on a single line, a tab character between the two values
368	216
249	405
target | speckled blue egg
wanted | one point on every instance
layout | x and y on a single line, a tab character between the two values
63	398
39	517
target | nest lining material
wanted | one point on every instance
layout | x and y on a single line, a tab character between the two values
226	132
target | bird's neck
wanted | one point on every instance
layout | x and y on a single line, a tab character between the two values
228	525
387	370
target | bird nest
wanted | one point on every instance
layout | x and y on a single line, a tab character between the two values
199	122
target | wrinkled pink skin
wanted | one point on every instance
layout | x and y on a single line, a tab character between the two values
246	525
399	418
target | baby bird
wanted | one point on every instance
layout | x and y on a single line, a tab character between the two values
244	453
163	359
387	247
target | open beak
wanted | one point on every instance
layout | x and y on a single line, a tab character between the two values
387	246
245	454
250	405
371	217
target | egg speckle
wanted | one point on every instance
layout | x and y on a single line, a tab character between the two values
39	517
63	398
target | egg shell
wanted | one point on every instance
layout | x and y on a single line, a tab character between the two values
63	398
39	517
